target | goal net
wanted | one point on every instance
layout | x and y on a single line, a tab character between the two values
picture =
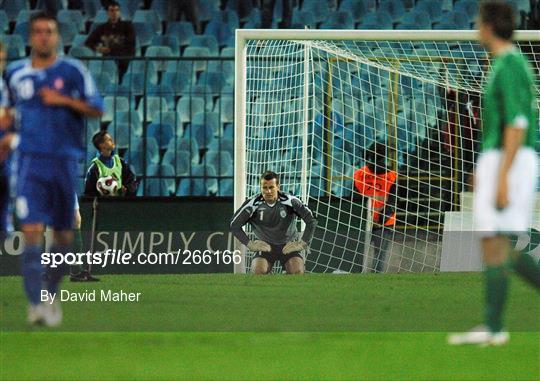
318	106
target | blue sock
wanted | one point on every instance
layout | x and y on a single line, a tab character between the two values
55	275
32	272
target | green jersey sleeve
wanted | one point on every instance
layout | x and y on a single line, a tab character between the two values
515	89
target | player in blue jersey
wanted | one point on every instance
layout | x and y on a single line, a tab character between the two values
5	140
51	96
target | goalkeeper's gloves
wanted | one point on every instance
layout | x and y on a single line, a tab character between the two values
293	246
258	245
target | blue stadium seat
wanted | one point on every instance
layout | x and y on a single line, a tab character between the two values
103	82
128	8
142	69
338	20
202	133
395	9
208	119
468	8
159	51
132	117
228	17
124	134
215	81
144	32
72	16
356	8
161	8
68	31
225	108
81	51
163	133
25	15
202	91
79	39
178	81
182	30
432	7
222	145
459	19
114	104
222	161
193	51
234	5
205	41
199	186
221	31
185	144
187	107
102	17
164	90
134	82
150	17
319	9
179	160
4	22
105	66
225	67
207	9
154	106
415	20
377	20
227	52
15	46
226	188
14	7
163	184
167	40
21	29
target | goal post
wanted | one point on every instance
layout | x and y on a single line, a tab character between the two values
312	105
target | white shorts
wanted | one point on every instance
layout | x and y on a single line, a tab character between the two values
522	182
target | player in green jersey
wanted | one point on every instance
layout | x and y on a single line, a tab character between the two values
506	172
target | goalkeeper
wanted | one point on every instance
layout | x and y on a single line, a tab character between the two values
272	215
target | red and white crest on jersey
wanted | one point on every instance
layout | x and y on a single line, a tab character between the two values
58	83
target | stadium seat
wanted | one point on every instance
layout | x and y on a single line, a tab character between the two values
202	133
167	40
225	109
164	90
103	82
4	22
185	144
79	39
338	20
105	66
356	8
142	69
114	104
227	52
14	7
415	20
222	161
144	32
72	16
68	31
132	117
159	51
179	160
226	188
124	135
209	119
221	31
163	183
162	133
222	145
81	51
394	8
192	51
204	41
207	9
187	107
377	20
458	18
318	8
469	8
202	91
215	81
183	31
21	29
154	106
15	46
432	7
178	81
129	7
150	17
102	17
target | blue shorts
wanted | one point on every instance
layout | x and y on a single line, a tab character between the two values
46	191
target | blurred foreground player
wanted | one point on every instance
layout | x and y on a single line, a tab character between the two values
6	140
506	171
272	215
51	96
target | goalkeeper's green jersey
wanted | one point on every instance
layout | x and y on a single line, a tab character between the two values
509	99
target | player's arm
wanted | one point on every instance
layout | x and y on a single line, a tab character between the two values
389	207
515	102
309	219
90	181
52	97
240	218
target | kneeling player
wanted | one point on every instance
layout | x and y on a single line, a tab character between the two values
272	215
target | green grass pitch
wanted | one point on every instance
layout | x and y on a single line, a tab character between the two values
324	327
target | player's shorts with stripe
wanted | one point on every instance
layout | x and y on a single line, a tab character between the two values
276	254
522	182
46	190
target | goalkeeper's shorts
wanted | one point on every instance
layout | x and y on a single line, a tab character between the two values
522	182
276	254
